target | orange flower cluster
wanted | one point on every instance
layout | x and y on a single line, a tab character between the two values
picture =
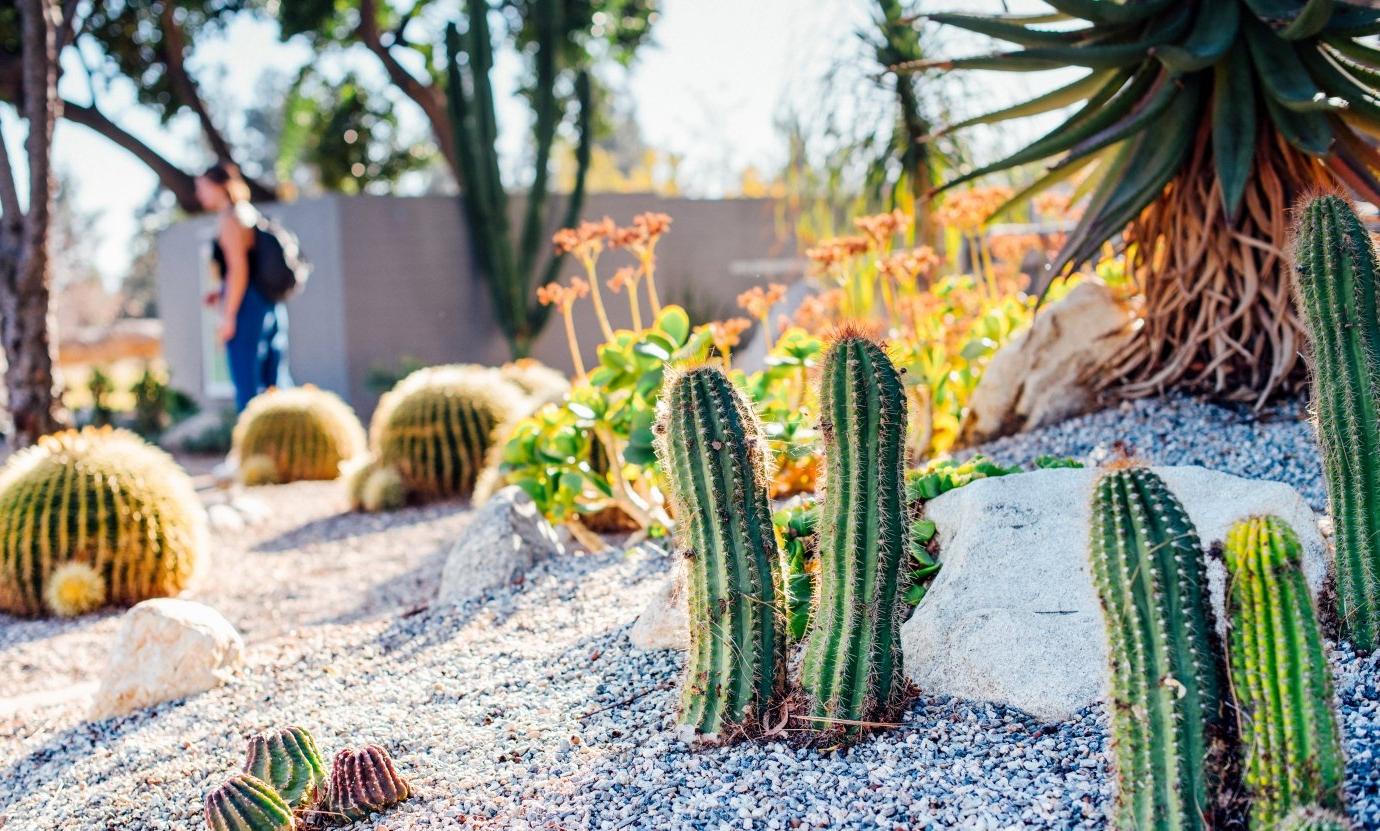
645	230
585	241
758	301
625	276
1052	205
555	294
1012	248
881	228
969	210
817	312
836	251
906	267
726	334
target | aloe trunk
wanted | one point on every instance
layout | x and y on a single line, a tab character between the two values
1171	731
711	448
852	666
1280	674
1335	285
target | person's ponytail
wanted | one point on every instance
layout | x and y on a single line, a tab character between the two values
228	176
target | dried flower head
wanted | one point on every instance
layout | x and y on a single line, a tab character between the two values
625	276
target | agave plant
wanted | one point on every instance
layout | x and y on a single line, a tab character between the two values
1198	124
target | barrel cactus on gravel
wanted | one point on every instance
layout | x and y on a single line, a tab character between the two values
710	446
247	803
100	497
289	761
1280	675
362	782
1335	277
306	432
437	425
852	667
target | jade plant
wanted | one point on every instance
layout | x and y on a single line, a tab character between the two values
1335	286
852	667
710	446
288	760
1279	672
247	803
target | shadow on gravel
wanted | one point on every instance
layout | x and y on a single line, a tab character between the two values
20	630
350	524
411	590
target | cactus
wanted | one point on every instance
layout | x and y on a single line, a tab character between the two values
288	760
1335	289
1313	818
363	782
797	528
1171	732
852	665
247	803
306	432
1280	675
710	446
437	425
102	497
539	382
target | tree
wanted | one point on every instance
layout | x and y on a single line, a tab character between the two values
25	273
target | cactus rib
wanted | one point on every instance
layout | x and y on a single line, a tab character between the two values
247	803
288	760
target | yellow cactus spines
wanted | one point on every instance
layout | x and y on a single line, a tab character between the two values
539	382
74	589
259	469
437	425
306	431
383	490
104	498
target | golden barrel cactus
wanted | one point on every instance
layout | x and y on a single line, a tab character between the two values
306	433
103	498
539	382
437	425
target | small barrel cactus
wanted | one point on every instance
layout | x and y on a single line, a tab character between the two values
852	666
539	382
247	803
288	760
1335	284
1280	675
305	431
100	497
437	425
363	782
1170	721
710	446
1313	818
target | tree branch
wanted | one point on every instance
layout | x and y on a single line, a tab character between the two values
427	96
9	192
178	182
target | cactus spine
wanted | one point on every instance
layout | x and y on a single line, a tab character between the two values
1170	728
1313	818
247	803
1280	675
852	666
363	782
1335	288
289	761
710	446
305	434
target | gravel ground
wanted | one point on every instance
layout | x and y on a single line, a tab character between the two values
529	708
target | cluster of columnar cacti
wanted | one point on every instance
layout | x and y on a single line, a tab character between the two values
247	803
1335	283
710	446
287	435
1293	751
288	760
95	516
362	782
852	666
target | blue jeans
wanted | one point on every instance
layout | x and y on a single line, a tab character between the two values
258	351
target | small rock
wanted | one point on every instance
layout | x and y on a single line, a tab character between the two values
665	622
166	649
224	518
506	537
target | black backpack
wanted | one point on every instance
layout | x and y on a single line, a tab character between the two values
278	267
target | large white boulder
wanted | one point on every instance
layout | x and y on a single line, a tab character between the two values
665	622
1041	376
506	537
166	649
1013	616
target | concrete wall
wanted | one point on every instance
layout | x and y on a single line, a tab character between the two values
392	278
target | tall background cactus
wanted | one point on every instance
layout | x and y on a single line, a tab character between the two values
710	447
852	666
305	432
100	497
1335	288
1171	726
512	264
1280	675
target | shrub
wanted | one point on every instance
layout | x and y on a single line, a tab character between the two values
102	497
306	432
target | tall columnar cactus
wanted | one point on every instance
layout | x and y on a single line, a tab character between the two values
1280	675
306	432
363	782
852	666
247	803
1335	288
288	760
1171	728
710	445
1312	818
437	425
100	497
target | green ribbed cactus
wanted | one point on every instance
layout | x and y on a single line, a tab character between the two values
100	497
1171	729
363	782
247	803
852	666
1335	288
305	432
288	760
1313	818
710	446
437	425
1280	675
